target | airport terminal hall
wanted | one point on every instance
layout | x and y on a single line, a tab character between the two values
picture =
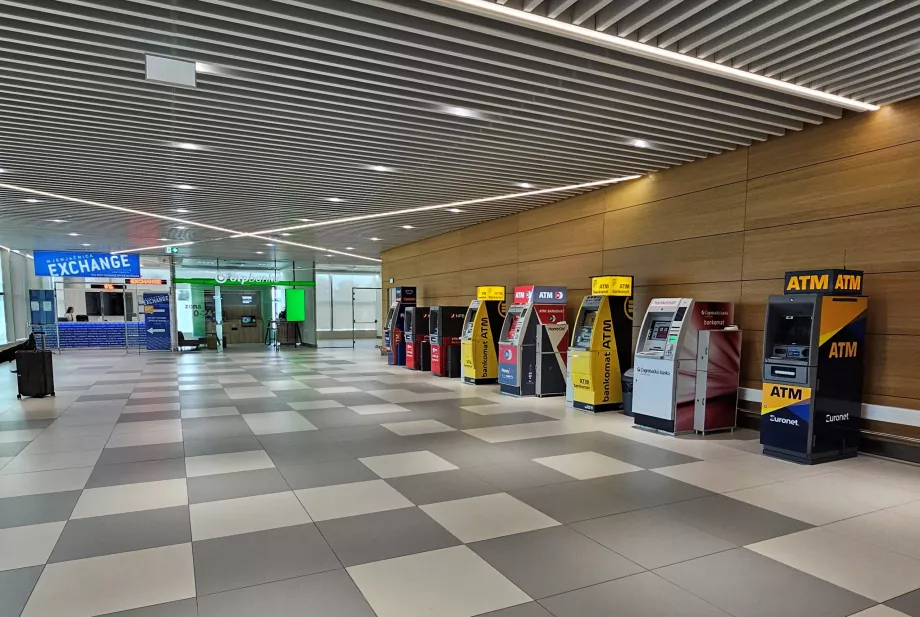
459	308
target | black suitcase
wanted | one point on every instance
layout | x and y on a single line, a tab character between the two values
35	373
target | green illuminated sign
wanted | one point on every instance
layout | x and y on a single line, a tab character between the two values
199	281
295	304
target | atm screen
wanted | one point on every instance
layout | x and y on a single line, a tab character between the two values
793	330
390	314
590	316
584	333
433	322
659	330
468	322
510	327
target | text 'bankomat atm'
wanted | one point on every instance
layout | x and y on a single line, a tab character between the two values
813	349
533	343
601	348
445	325
688	362
418	347
394	339
479	341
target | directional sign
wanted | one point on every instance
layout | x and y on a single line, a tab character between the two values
156	321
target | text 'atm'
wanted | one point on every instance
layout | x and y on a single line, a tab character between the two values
687	366
445	325
394	340
601	348
813	349
533	343
479	341
418	347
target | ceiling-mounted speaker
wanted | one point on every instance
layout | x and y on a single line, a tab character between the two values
170	72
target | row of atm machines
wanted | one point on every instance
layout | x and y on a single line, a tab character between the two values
685	364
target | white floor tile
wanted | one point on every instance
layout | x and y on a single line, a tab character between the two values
19	436
47	444
39	482
768	467
194	387
143	439
102	585
49	462
371	410
284	384
211	412
231	380
397	395
491	409
28	546
586	465
248	392
4	460
213	464
884	529
532	430
131	498
406	464
450	582
879	611
271	422
123	388
337	390
151	408
216	519
488	516
862	568
418	427
154	426
62	430
311	405
341	500
139	394
911	509
713	477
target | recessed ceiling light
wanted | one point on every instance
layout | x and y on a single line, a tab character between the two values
408	226
640	143
188	146
327	255
374	239
334	199
285	234
185	187
86	244
164	239
181	211
56	221
349	248
260	252
305	220
2	171
31	201
73	234
269	245
180	227
454	210
525	185
463	112
380	168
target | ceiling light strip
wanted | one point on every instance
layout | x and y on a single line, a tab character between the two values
8	249
643	50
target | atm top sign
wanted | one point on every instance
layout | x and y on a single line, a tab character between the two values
824	282
491	292
86	265
611	285
533	294
405	294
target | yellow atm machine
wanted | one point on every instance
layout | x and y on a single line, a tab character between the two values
479	341
813	349
601	348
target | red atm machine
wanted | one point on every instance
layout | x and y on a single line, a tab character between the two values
445	325
418	347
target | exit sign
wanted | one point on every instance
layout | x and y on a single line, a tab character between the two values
172	249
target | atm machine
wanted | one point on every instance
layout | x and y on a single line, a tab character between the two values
445	325
813	349
418	347
533	343
479	341
394	340
688	361
601	348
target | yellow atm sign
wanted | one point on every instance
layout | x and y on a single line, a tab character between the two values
825	282
611	285
490	292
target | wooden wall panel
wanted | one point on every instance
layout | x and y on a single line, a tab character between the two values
583	235
891	365
880	180
506	275
567	210
698	260
504	226
728	291
893	301
704	213
574	272
438	243
438	262
494	252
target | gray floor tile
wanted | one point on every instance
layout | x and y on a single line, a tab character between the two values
354	433
232	562
577	501
327	473
544	446
262	406
182	608
15	588
94	398
551	561
149	416
309	453
384	535
531	609
909	603
234	485
132	473
297	438
36	509
222	446
379	447
425	488
24	425
222	427
12	449
122	533
151	401
329	594
135	454
342	417
746	584
445	440
352	399
650	539
732	520
648	457
467	419
641	595
516	475
200	399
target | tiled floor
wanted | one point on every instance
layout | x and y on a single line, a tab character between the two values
327	484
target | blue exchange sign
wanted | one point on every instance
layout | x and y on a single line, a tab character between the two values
58	263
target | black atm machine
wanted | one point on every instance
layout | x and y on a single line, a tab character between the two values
418	347
813	349
394	339
445	325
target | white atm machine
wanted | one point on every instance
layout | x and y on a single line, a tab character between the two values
687	365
